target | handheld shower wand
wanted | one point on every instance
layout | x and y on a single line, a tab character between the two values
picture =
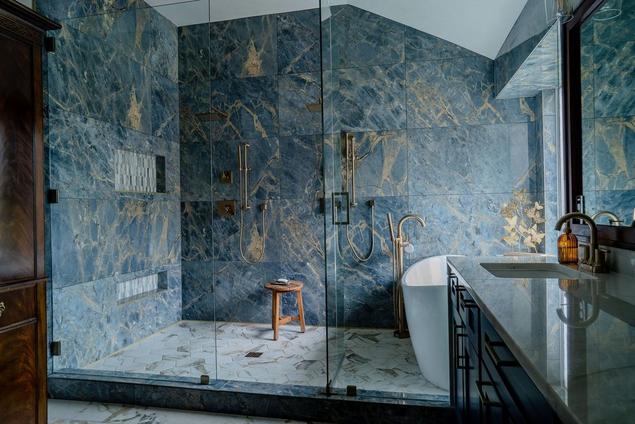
243	167
350	168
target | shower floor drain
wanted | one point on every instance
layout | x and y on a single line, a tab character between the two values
253	355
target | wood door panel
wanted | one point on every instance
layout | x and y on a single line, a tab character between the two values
17	305
19	375
17	119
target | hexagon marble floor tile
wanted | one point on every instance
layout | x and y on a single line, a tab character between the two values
71	412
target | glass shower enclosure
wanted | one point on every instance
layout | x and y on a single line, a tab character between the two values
199	151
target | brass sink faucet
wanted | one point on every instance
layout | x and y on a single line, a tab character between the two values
595	262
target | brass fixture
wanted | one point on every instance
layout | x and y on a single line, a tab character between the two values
352	160
226	177
3	308
350	169
399	244
226	208
614	220
594	261
244	169
314	107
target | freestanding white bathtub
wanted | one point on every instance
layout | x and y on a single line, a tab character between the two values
426	301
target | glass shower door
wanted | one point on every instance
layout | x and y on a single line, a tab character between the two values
335	201
129	284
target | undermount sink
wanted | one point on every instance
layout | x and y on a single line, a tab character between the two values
534	270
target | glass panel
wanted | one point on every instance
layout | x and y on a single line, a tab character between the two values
413	126
266	156
119	292
335	202
608	112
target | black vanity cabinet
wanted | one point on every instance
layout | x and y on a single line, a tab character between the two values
487	383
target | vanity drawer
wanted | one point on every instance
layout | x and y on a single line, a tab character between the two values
470	315
523	401
17	304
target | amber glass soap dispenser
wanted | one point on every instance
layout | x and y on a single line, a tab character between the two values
568	247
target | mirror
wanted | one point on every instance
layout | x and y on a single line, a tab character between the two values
607	83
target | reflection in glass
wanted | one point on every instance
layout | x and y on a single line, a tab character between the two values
608	112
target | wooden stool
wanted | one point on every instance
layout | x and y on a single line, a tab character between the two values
276	291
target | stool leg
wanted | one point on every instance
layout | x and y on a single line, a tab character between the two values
276	313
273	310
301	311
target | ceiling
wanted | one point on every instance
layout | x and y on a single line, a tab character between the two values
478	25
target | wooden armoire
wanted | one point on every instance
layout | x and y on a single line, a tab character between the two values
22	277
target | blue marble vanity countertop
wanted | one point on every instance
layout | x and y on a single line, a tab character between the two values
584	362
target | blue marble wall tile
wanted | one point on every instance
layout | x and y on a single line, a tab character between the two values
79	83
368	99
148	235
540	70
92	323
249	107
80	154
620	202
421	46
95	239
195	155
77	229
587	70
193	53
160	42
298	44
607	127
296	93
381	163
615	153
551	217
165	108
363	39
263	160
477	159
244	47
507	64
460	224
458	92
614	61
196	224
588	155
300	227
301	167
198	290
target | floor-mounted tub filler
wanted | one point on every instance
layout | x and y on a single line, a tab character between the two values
426	300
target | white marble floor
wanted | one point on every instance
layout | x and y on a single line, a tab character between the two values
377	360
70	412
373	358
